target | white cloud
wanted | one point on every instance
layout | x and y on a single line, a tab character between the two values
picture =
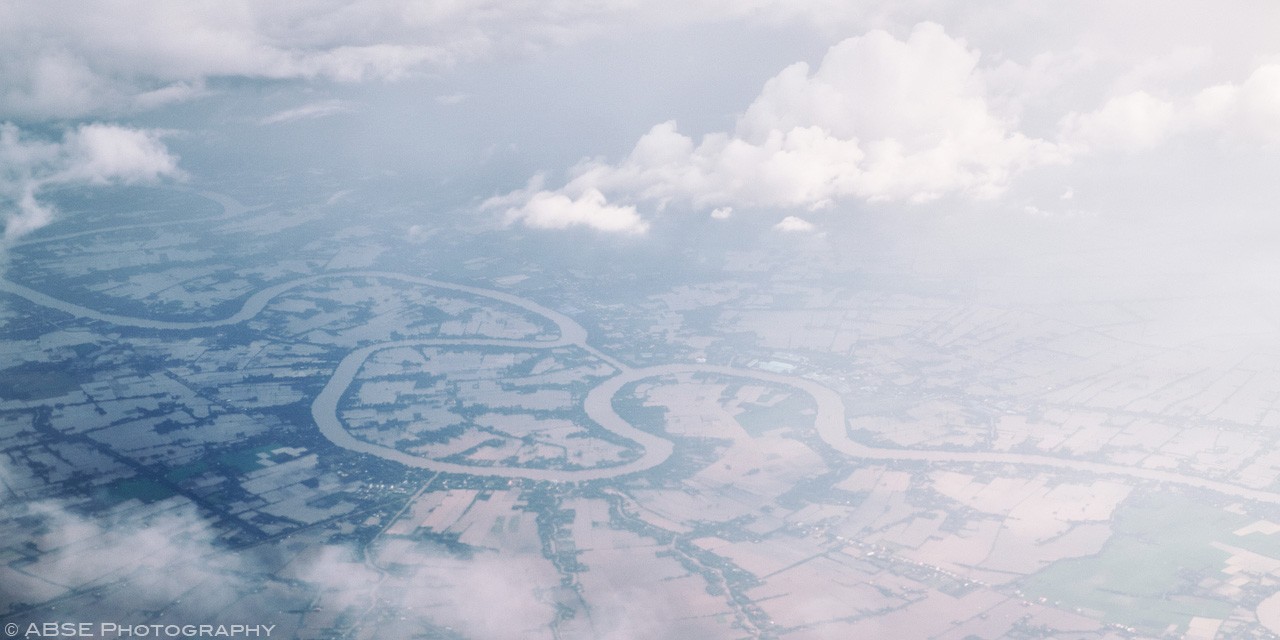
794	224
914	119
1139	121
102	153
61	58
1256	103
457	592
722	213
168	94
879	119
65	59
550	210
419	233
171	560
154	560
165	556
319	109
89	154
1133	122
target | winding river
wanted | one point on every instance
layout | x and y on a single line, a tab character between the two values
830	422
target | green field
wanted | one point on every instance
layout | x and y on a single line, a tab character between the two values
1146	574
237	461
37	381
138	488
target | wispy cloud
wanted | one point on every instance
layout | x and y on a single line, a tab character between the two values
309	111
168	557
452	98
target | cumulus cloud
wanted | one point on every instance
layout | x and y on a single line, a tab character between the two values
794	224
542	209
911	120
880	119
95	154
1138	120
1134	121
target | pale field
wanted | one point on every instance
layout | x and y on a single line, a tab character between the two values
694	409
416	513
495	523
1031	500
931	615
274	475
1016	553
818	514
644	512
1202	628
880	510
823	589
1000	619
1248	562
446	507
872	477
618	589
765	466
884	504
1036	524
590	528
935	423
1268	613
1262	471
690	505
747	475
912	532
767	556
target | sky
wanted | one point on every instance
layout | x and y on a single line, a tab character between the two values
621	117
1030	151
